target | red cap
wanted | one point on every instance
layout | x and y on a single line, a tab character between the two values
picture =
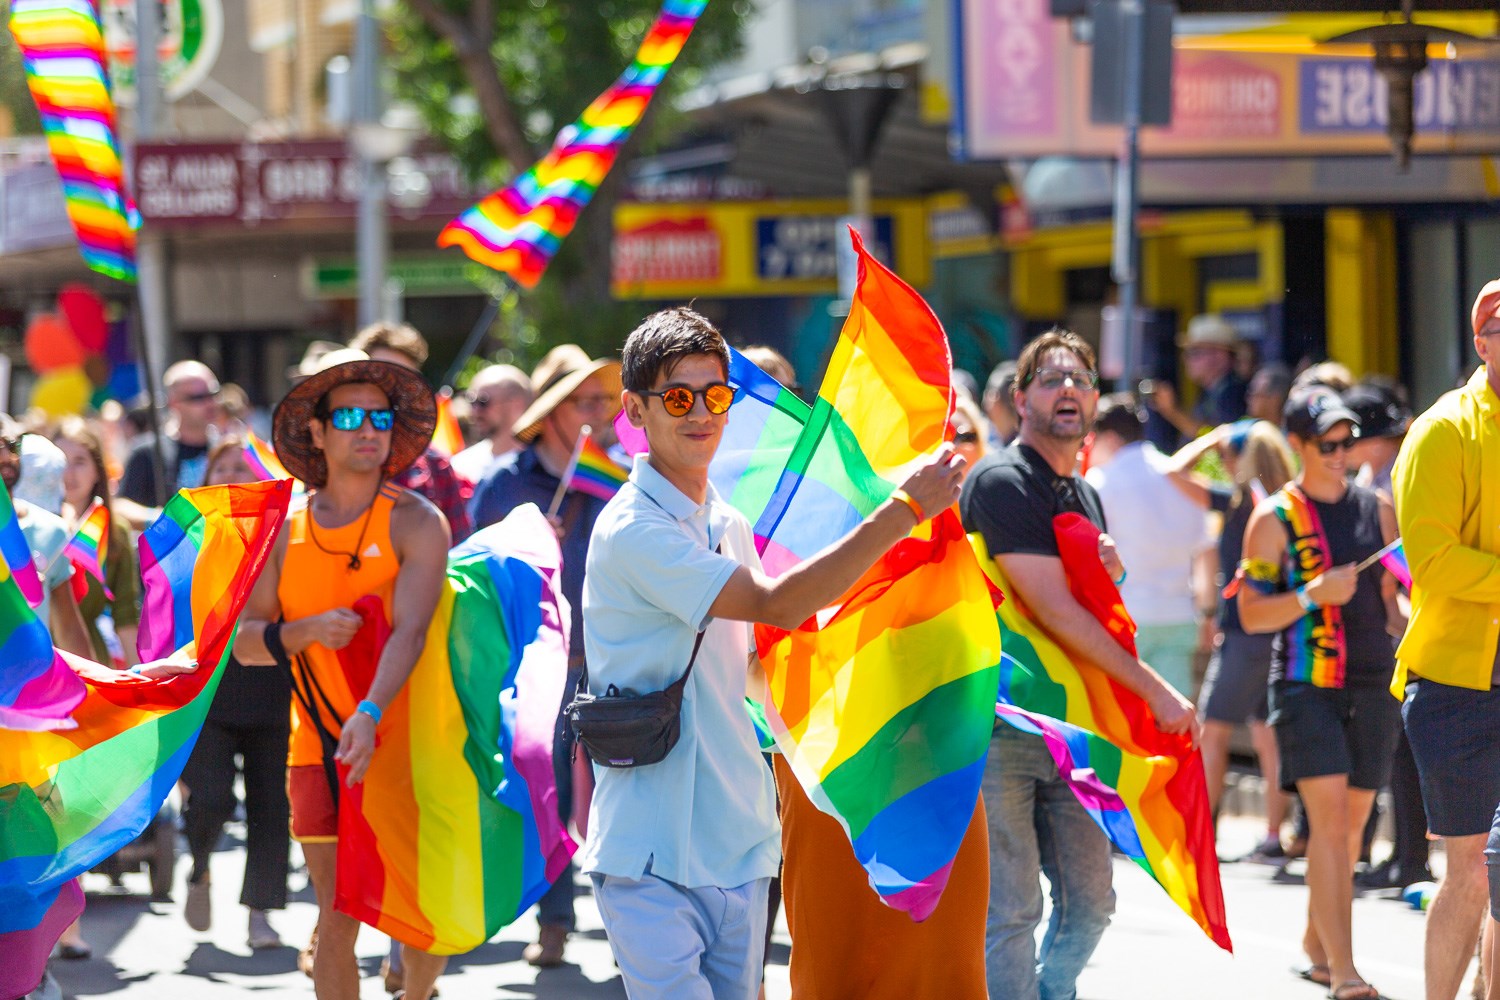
1487	306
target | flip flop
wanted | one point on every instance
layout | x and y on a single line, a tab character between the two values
1357	989
1315	973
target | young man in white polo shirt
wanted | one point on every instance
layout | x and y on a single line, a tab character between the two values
682	851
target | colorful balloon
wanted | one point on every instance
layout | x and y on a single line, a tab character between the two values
84	310
62	392
50	344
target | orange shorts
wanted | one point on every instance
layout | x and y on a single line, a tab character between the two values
315	816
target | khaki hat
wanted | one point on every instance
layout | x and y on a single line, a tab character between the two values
560	373
410	396
1210	330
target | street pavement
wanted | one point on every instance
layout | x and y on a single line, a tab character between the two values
144	951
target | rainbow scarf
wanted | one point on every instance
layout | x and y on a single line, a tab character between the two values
16	559
89	546
517	230
37	690
454	832
70	799
1315	647
596	473
447	437
63	48
1144	788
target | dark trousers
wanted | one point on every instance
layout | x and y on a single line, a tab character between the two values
1411	848
209	776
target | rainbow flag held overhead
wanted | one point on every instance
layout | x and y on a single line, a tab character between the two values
596	473
1395	562
447	437
16	559
517	230
69	799
1143	787
89	546
62	45
454	832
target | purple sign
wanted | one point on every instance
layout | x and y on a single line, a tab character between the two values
1349	95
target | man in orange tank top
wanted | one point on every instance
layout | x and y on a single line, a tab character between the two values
360	558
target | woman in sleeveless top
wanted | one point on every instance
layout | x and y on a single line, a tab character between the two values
1331	661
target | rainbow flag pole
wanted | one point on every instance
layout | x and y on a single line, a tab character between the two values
567	476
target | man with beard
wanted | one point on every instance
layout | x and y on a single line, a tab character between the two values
1036	824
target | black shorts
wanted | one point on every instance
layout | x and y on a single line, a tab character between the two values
1325	731
1454	734
1234	689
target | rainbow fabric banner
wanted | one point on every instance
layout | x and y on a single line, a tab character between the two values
63	47
69	799
1395	562
261	458
454	832
16	559
89	546
518	229
1316	652
1144	788
447	437
596	473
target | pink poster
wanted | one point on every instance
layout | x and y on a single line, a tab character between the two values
1011	69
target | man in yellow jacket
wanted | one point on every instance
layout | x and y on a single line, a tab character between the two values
1447	490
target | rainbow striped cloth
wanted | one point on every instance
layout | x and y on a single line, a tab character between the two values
518	229
1395	562
447	436
89	546
595	473
63	47
454	832
261	458
1316	651
16	558
71	798
1144	788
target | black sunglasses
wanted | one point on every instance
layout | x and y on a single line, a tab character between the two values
200	397
1345	443
966	437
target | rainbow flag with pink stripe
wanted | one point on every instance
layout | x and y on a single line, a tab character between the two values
517	230
16	559
596	473
62	45
89	546
1395	563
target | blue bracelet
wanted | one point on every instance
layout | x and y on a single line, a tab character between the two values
371	709
1121	581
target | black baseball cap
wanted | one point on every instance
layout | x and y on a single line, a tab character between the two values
1381	412
1315	410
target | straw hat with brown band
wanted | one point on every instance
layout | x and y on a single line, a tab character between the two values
559	375
409	395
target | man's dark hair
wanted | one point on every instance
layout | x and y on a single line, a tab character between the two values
660	343
1031	355
1121	415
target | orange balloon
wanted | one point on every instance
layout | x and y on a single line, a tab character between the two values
50	344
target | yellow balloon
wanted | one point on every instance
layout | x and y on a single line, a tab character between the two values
62	392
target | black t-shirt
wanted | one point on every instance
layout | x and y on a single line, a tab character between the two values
186	465
1231	548
1012	495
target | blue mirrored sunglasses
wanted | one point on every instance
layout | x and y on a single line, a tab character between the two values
352	418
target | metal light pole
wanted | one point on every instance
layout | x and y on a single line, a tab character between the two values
1125	261
371	233
153	325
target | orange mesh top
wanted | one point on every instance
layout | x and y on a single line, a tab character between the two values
313	581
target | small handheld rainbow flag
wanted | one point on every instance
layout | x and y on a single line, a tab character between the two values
596	473
1395	562
261	458
89	546
447	437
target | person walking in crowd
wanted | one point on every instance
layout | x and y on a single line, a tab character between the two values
1208	349
347	432
193	408
84	482
572	391
431	474
1331	660
1036	824
497	395
1159	532
681	852
999	404
250	718
1235	687
1447	499
1265	396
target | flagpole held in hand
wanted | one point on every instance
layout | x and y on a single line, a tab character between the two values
567	476
1370	560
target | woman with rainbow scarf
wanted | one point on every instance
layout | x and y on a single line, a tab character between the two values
1336	724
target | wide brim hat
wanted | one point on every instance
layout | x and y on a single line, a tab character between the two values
557	377
1210	330
409	395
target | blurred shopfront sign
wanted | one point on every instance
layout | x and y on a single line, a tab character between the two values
33	215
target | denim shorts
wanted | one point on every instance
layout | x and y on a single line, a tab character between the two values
1452	732
1327	731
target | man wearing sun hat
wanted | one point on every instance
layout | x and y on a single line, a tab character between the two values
1208	353
1446	486
572	391
347	431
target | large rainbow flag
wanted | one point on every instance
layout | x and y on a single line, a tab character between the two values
63	47
1144	788
454	832
69	799
15	552
518	229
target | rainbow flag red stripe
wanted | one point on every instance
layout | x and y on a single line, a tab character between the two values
518	229
62	45
89	546
596	473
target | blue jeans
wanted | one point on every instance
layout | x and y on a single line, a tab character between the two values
1036	826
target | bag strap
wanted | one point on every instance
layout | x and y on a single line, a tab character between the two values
304	686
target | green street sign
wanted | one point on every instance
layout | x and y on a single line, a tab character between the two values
431	274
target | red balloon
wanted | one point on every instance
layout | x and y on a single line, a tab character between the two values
50	344
84	311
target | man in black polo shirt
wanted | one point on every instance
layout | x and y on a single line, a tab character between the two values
1036	824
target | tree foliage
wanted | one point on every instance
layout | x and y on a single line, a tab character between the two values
15	99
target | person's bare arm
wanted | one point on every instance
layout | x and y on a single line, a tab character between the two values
420	535
333	628
1042	585
1180	464
1265	540
790	599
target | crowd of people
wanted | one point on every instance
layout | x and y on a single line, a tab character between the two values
1243	533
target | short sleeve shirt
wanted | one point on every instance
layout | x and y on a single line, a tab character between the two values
706	814
1011	497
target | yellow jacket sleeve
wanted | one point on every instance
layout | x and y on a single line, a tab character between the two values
1429	486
